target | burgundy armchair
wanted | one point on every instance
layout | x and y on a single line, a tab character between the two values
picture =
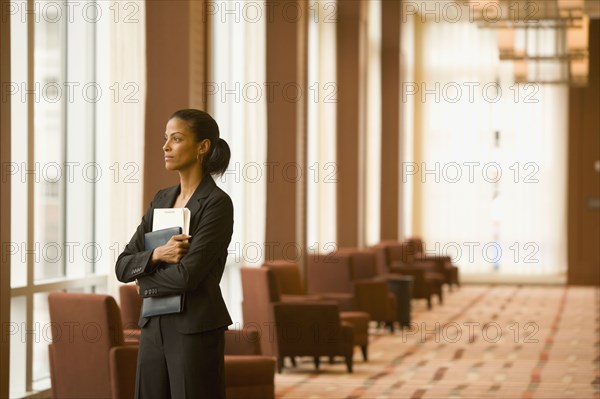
248	374
131	306
88	355
289	287
335	272
293	329
395	257
442	263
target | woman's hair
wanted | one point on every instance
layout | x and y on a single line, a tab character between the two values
205	127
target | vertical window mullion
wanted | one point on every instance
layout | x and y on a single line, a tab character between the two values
30	190
65	125
93	125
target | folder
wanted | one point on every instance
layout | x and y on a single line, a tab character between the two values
154	306
160	237
162	305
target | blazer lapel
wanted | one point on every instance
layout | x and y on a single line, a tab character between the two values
202	192
167	197
195	203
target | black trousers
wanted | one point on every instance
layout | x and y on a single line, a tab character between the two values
179	366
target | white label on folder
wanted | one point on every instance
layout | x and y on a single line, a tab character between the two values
171	217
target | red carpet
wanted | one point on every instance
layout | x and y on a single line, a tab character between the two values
483	342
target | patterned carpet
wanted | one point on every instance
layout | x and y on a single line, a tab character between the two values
483	342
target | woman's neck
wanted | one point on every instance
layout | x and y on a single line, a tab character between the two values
189	181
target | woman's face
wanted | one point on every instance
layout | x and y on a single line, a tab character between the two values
181	149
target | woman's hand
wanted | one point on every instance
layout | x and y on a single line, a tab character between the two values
173	250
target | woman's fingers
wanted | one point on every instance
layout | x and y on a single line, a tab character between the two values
181	237
176	248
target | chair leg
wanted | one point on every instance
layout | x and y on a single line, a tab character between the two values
331	360
317	361
293	359
279	364
429	302
365	353
349	363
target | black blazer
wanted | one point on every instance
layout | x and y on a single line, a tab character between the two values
199	272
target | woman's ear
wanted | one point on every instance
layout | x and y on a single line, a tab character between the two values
204	147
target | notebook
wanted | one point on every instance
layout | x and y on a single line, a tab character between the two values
171	217
166	223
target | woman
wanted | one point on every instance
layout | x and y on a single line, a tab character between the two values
181	355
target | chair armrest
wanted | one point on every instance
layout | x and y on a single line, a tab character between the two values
435	258
311	329
123	362
250	377
249	370
411	269
242	342
299	298
374	298
345	301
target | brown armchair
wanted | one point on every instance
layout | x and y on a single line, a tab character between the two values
442	263
248	374
290	329
289	287
131	306
88	355
363	269
395	257
336	272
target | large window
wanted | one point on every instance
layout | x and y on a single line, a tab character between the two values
489	169
321	127
238	104
55	97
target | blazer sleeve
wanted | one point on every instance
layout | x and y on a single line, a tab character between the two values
134	261
208	244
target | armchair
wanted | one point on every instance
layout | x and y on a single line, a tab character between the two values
290	329
289	287
443	263
363	267
88	355
131	306
248	374
369	294
394	257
